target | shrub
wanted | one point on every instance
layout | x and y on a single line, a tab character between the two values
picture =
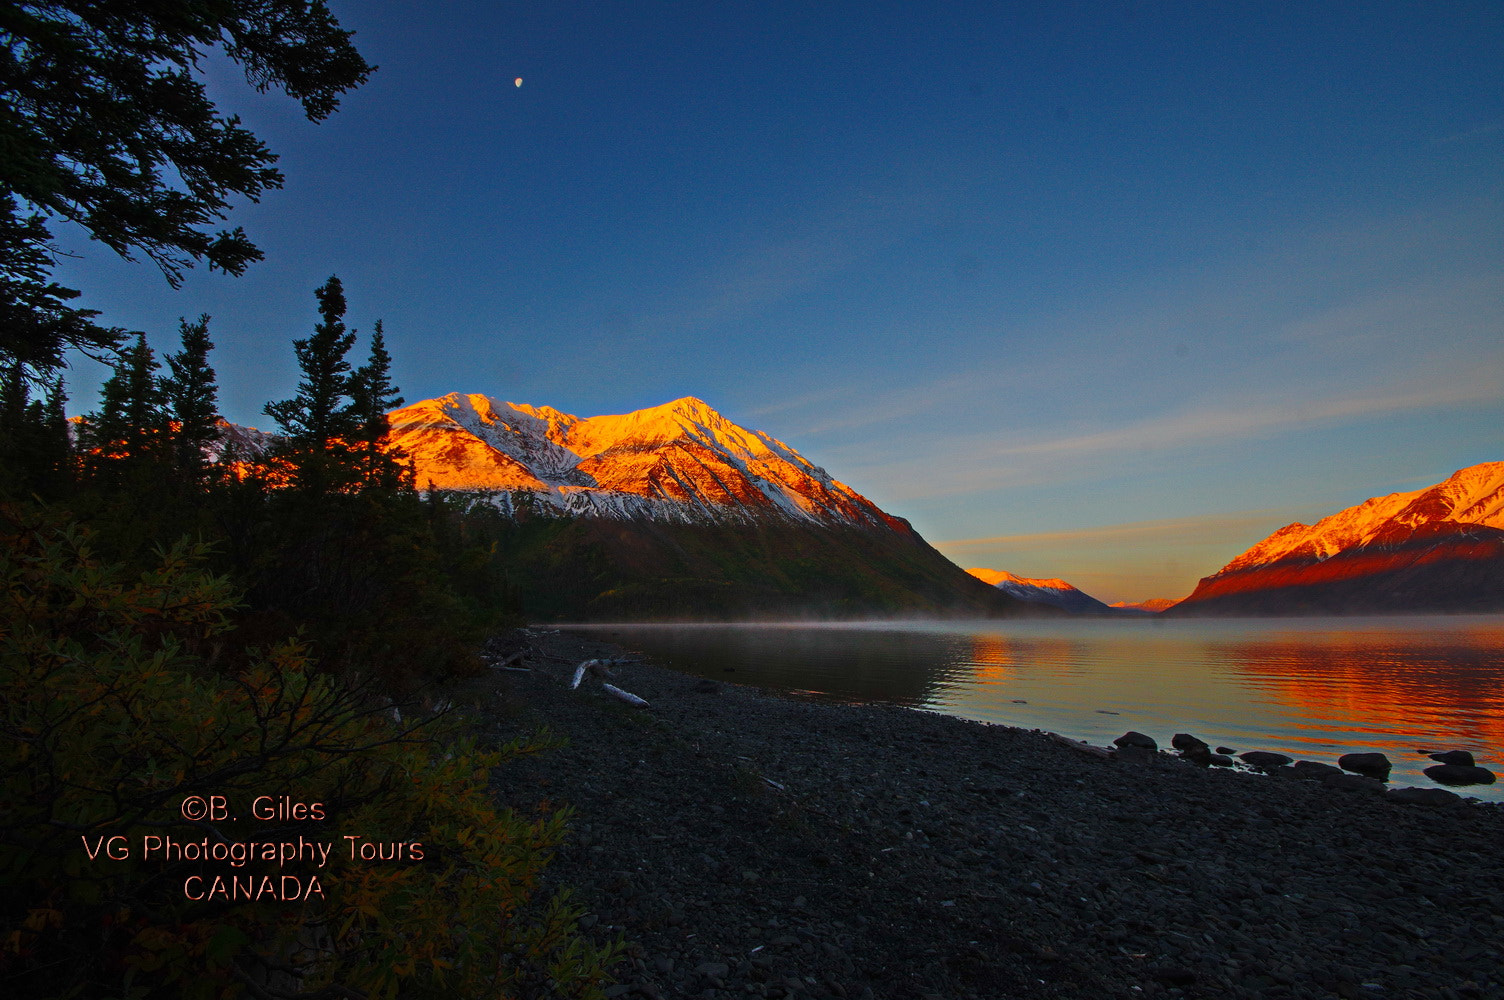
125	697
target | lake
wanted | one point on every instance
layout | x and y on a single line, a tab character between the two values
1313	688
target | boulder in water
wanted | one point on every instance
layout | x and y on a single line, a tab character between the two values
1375	765
1134	739
1459	774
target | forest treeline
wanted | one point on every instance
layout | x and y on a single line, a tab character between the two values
318	527
185	618
188	613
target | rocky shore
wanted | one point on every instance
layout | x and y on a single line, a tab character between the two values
753	845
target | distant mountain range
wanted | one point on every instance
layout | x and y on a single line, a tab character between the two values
1059	594
1436	549
1153	606
676	512
1056	593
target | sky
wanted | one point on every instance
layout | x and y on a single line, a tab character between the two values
1100	291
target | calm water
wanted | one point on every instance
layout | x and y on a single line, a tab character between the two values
1312	688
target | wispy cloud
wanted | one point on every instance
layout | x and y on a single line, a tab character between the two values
833	238
1179	530
995	458
1476	132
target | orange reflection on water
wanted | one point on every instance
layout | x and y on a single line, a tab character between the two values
1450	693
992	656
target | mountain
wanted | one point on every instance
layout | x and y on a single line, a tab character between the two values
1056	593
1152	606
1436	549
681	462
674	512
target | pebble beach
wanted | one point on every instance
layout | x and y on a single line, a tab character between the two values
750	844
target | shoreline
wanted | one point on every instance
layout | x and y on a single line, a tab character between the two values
754	844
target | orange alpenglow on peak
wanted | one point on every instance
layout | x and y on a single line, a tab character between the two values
1436	549
1154	604
681	461
997	576
1054	592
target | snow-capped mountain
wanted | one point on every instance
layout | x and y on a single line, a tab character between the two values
1439	548
1054	592
1152	606
681	462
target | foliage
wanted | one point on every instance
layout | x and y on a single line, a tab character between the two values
103	123
37	323
123	695
375	578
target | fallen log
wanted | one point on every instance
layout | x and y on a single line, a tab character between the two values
509	663
626	696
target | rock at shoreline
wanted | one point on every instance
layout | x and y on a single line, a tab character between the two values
1227	750
1136	740
1219	760
1354	783
1266	759
1423	796
1314	770
1459	774
1188	744
1374	765
1461	757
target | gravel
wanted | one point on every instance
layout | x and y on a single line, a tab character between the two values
747	844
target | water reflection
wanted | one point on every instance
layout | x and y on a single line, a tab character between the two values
1312	688
1409	691
898	667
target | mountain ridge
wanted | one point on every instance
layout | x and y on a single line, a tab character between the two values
1440	548
674	512
1053	592
681	461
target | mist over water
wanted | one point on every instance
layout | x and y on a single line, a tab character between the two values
1314	688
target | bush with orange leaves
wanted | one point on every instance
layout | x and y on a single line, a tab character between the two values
123	698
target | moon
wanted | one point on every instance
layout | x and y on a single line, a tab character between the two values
518	81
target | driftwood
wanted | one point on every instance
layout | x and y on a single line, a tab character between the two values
1101	753
510	662
595	668
626	696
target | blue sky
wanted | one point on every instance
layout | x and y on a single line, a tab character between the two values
1106	291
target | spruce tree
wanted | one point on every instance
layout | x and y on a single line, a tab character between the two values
373	393
320	412
192	398
372	396
131	422
36	455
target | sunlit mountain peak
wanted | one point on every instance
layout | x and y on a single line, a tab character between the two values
1436	549
680	461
